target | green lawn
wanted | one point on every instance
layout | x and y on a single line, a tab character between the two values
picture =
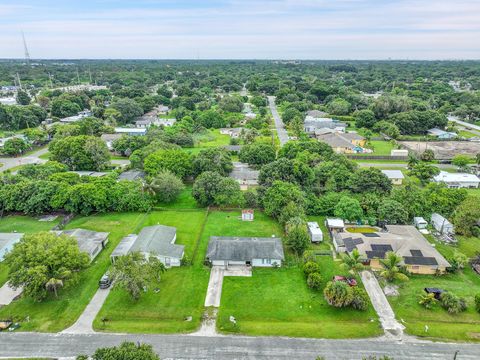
3	274
54	314
212	139
182	289
184	201
45	156
380	147
441	325
25	224
277	302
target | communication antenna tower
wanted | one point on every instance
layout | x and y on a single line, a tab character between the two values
27	55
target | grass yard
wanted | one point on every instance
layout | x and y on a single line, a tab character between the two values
45	156
441	325
3	274
184	201
54	314
362	229
182	290
380	147
25	224
212	139
277	302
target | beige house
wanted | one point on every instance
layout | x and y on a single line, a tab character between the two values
344	143
419	256
395	176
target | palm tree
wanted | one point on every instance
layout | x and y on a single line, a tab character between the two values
352	262
151	187
412	161
391	267
54	284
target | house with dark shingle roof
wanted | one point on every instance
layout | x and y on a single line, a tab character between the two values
249	251
418	255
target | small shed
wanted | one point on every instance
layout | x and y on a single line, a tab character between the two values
399	152
441	224
315	232
420	222
335	225
395	176
247	215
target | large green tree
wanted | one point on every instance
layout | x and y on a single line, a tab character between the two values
44	261
176	161
213	159
279	195
348	208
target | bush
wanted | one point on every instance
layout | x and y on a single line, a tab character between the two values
338	294
452	303
428	300
360	299
314	280
310	267
477	302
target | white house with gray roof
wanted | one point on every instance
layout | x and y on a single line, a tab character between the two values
157	240
250	251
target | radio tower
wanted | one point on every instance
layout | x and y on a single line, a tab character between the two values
27	55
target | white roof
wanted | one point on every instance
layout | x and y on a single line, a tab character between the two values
456	177
419	219
130	130
393	174
314	228
336	223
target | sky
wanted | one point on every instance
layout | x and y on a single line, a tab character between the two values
241	29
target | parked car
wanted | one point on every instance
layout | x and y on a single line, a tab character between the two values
435	291
349	281
105	282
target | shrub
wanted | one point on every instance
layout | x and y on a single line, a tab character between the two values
310	267
360	299
428	300
338	294
314	280
452	303
477	302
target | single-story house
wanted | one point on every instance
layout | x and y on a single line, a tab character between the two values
109	139
441	134
131	131
335	225
249	251
395	176
457	180
8	101
420	222
75	118
244	175
90	173
441	224
418	255
344	143
131	175
315	232
162	109
312	124
7	240
157	241
232	132
90	242
233	148
146	121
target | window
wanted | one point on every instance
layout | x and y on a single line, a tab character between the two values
266	261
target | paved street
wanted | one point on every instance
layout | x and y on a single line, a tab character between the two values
282	133
463	123
32	158
229	347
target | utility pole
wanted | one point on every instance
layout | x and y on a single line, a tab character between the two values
27	55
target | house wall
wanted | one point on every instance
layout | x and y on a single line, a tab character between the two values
463	185
165	260
414	269
396	181
266	262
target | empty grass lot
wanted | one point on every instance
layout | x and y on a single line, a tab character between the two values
184	201
55	314
441	325
277	302
182	289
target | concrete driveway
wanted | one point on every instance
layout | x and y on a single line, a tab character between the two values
84	323
214	290
381	305
7	294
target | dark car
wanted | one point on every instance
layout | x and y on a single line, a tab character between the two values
435	291
105	282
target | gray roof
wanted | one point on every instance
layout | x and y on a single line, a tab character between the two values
158	240
340	140
131	175
244	248
235	148
124	246
87	240
242	171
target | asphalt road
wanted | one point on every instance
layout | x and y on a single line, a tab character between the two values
281	132
463	123
231	347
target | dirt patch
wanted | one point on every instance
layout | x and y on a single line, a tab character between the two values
474	335
443	149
